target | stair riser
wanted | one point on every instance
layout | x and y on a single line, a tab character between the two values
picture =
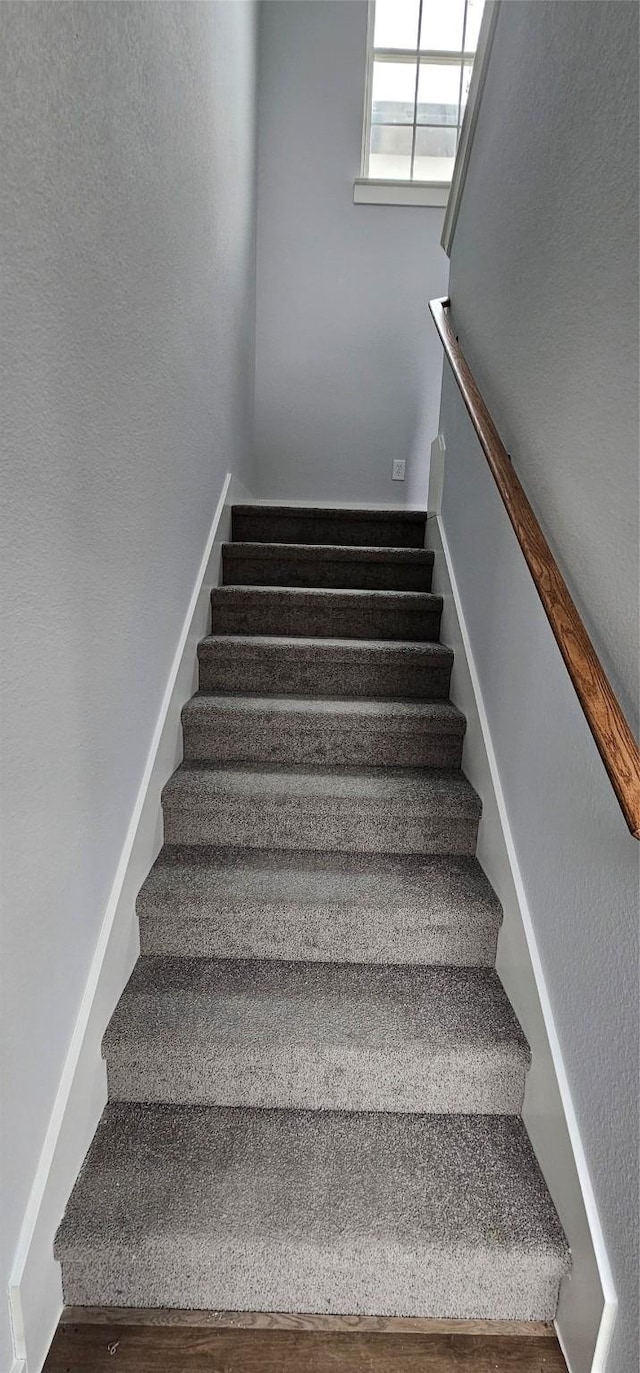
324	935
491	1083
267	738
276	614
342	530
243	570
285	673
306	823
438	1281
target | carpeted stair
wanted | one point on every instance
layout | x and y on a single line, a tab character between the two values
315	1077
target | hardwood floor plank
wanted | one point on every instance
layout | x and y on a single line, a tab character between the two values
85	1348
284	1320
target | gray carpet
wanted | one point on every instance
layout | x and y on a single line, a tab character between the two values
293	731
203	1207
289	524
351	908
315	1076
276	564
329	614
351	668
322	1035
376	810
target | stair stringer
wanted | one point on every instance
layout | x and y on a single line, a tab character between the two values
35	1289
587	1302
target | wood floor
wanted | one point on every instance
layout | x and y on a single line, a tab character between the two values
121	1342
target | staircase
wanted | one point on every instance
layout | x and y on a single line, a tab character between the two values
315	1077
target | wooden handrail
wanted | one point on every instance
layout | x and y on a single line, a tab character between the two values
607	722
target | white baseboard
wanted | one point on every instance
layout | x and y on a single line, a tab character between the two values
35	1290
587	1306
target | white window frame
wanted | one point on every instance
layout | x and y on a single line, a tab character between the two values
374	191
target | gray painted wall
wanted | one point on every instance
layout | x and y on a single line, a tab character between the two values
127	149
347	365
544	280
544	292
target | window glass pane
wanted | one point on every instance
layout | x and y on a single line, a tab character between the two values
394	87
435	142
396	24
443	87
441	26
435	154
438	93
390	152
474	18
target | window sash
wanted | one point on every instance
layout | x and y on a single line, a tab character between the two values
412	55
416	57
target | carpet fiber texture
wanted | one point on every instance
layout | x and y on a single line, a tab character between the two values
315	1076
292	730
324	667
299	525
323	1035
328	614
312	1211
308	905
377	810
383	569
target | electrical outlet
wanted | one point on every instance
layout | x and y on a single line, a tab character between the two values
397	471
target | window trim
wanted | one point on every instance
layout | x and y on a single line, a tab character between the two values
368	92
467	132
369	190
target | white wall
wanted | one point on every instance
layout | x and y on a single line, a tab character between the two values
545	285
127	135
544	293
347	366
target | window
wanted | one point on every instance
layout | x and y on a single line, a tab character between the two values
420	61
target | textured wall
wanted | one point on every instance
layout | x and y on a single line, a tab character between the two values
347	365
544	290
127	150
544	280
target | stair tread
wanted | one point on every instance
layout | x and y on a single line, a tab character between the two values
339	595
309	1210
211	881
315	905
201	1006
327	564
316	1035
328	525
345	612
335	552
391	650
347	668
440	716
448	792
